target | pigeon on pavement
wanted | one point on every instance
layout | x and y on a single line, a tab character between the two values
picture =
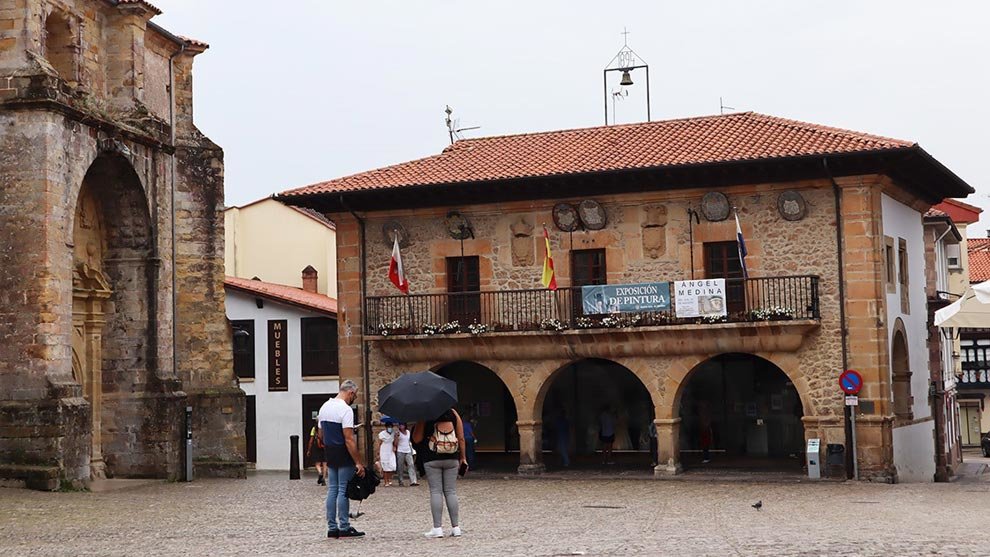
758	505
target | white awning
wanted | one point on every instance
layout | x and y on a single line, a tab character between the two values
972	311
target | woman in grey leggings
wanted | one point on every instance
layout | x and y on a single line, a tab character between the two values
440	444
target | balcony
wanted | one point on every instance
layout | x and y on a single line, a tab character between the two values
975	375
763	315
748	300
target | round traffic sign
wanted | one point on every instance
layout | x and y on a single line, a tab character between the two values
850	381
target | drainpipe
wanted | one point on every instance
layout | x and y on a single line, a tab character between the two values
365	372
171	125
852	463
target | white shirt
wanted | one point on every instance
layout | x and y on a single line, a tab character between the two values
404	445
337	411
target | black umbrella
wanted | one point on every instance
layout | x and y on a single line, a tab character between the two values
415	397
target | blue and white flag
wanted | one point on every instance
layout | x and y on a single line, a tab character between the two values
742	247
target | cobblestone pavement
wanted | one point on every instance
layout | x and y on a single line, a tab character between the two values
269	515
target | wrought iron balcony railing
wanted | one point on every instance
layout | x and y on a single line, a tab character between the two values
748	300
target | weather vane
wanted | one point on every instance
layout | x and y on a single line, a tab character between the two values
625	61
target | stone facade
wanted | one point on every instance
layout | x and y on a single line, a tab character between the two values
89	157
647	239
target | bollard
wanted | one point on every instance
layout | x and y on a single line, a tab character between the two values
294	457
188	475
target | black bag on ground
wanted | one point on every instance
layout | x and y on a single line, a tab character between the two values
360	488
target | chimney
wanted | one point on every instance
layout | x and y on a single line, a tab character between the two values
309	279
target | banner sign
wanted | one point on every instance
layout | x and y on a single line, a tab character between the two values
278	355
700	298
625	298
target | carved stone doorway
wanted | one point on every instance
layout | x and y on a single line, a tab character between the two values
90	290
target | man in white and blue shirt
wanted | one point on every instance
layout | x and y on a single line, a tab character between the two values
336	420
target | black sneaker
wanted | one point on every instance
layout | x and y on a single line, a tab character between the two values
320	481
349	533
333	534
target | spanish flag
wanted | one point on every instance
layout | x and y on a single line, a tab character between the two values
549	279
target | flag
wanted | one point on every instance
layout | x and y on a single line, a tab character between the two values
742	247
395	272
549	279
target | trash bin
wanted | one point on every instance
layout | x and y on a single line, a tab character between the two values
835	460
813	454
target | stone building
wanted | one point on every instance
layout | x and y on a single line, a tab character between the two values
833	279
111	252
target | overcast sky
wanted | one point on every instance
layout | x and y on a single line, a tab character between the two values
302	91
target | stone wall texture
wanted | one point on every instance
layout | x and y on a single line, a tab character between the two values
777	247
85	102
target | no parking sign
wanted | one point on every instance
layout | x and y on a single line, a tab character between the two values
850	381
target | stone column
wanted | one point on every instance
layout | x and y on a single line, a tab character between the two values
93	338
668	447
530	446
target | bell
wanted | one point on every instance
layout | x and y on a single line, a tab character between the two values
626	79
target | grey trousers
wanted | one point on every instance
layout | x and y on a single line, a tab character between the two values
442	475
405	464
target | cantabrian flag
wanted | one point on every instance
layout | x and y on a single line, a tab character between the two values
549	279
395	272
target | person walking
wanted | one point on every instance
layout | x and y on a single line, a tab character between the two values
441	446
404	457
386	452
316	442
606	433
471	441
336	421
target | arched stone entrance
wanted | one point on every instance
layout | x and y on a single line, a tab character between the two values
900	374
112	300
485	400
581	398
739	411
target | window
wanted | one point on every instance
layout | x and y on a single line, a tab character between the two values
902	274
890	264
60	45
953	256
243	348
588	267
464	281
722	261
319	346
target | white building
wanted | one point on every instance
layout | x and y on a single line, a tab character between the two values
285	357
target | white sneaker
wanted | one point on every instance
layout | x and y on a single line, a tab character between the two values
434	533
455	531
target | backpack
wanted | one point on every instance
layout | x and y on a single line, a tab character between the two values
444	442
360	488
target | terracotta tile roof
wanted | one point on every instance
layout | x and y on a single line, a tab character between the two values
315	215
933	212
691	141
962	213
979	259
284	294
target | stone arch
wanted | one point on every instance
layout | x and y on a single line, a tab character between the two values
495	414
544	376
680	371
900	373
576	394
60	45
748	403
115	309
